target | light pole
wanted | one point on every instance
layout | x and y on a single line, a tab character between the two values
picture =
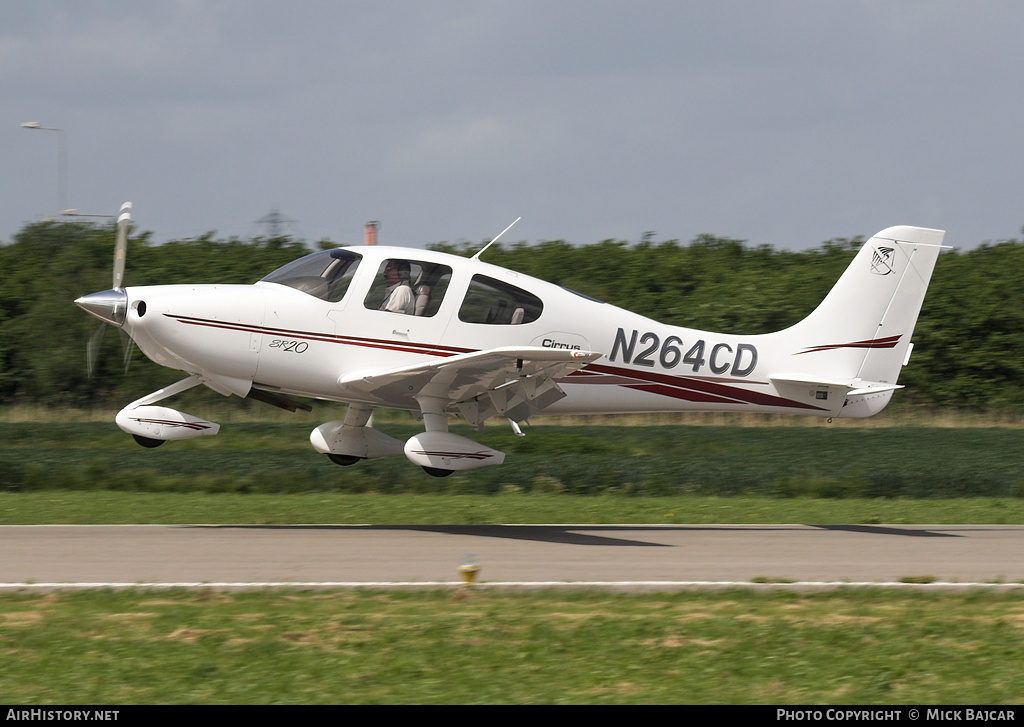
62	161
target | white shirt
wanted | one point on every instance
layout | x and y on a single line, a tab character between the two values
400	299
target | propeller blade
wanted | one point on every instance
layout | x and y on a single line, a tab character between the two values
129	349
122	243
93	347
110	305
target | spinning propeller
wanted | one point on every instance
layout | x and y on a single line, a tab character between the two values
110	306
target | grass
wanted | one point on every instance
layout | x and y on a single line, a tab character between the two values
90	472
784	462
115	508
373	647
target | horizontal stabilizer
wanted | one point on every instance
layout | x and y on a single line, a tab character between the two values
854	387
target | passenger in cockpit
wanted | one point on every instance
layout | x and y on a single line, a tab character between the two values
399	297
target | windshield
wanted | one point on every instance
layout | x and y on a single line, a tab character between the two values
325	275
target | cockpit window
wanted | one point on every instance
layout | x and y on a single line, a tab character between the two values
496	303
409	286
325	275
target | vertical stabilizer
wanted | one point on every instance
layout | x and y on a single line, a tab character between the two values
859	336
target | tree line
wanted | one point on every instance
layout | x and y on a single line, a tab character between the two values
968	345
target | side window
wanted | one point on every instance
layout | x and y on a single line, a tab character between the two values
409	287
493	302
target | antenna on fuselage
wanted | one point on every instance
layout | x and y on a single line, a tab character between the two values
477	256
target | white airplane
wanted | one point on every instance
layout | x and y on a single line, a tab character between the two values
441	335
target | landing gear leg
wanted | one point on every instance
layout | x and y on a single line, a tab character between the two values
434	420
438	451
356	416
346	442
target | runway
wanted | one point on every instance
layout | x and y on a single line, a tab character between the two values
629	557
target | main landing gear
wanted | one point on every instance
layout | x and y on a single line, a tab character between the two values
437	451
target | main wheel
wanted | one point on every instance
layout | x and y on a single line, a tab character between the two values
343	459
435	472
148	442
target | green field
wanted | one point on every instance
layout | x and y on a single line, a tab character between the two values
357	647
266	472
820	461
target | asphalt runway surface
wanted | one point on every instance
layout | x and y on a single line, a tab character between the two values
630	557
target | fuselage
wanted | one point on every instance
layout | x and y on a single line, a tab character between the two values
320	319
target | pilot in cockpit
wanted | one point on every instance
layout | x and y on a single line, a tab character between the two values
399	297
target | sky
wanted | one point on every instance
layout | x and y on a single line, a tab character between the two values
782	123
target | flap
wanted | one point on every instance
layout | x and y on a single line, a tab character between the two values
514	382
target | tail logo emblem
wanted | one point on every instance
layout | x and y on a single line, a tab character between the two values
882	261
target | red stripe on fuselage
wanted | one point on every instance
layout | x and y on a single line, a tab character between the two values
688	388
693	388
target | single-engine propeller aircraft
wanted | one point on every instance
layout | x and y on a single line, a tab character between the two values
442	335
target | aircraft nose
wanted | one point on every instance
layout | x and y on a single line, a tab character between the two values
109	306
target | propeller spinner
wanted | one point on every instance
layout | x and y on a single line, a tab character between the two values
110	306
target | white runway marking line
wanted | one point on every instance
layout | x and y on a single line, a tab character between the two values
513	584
